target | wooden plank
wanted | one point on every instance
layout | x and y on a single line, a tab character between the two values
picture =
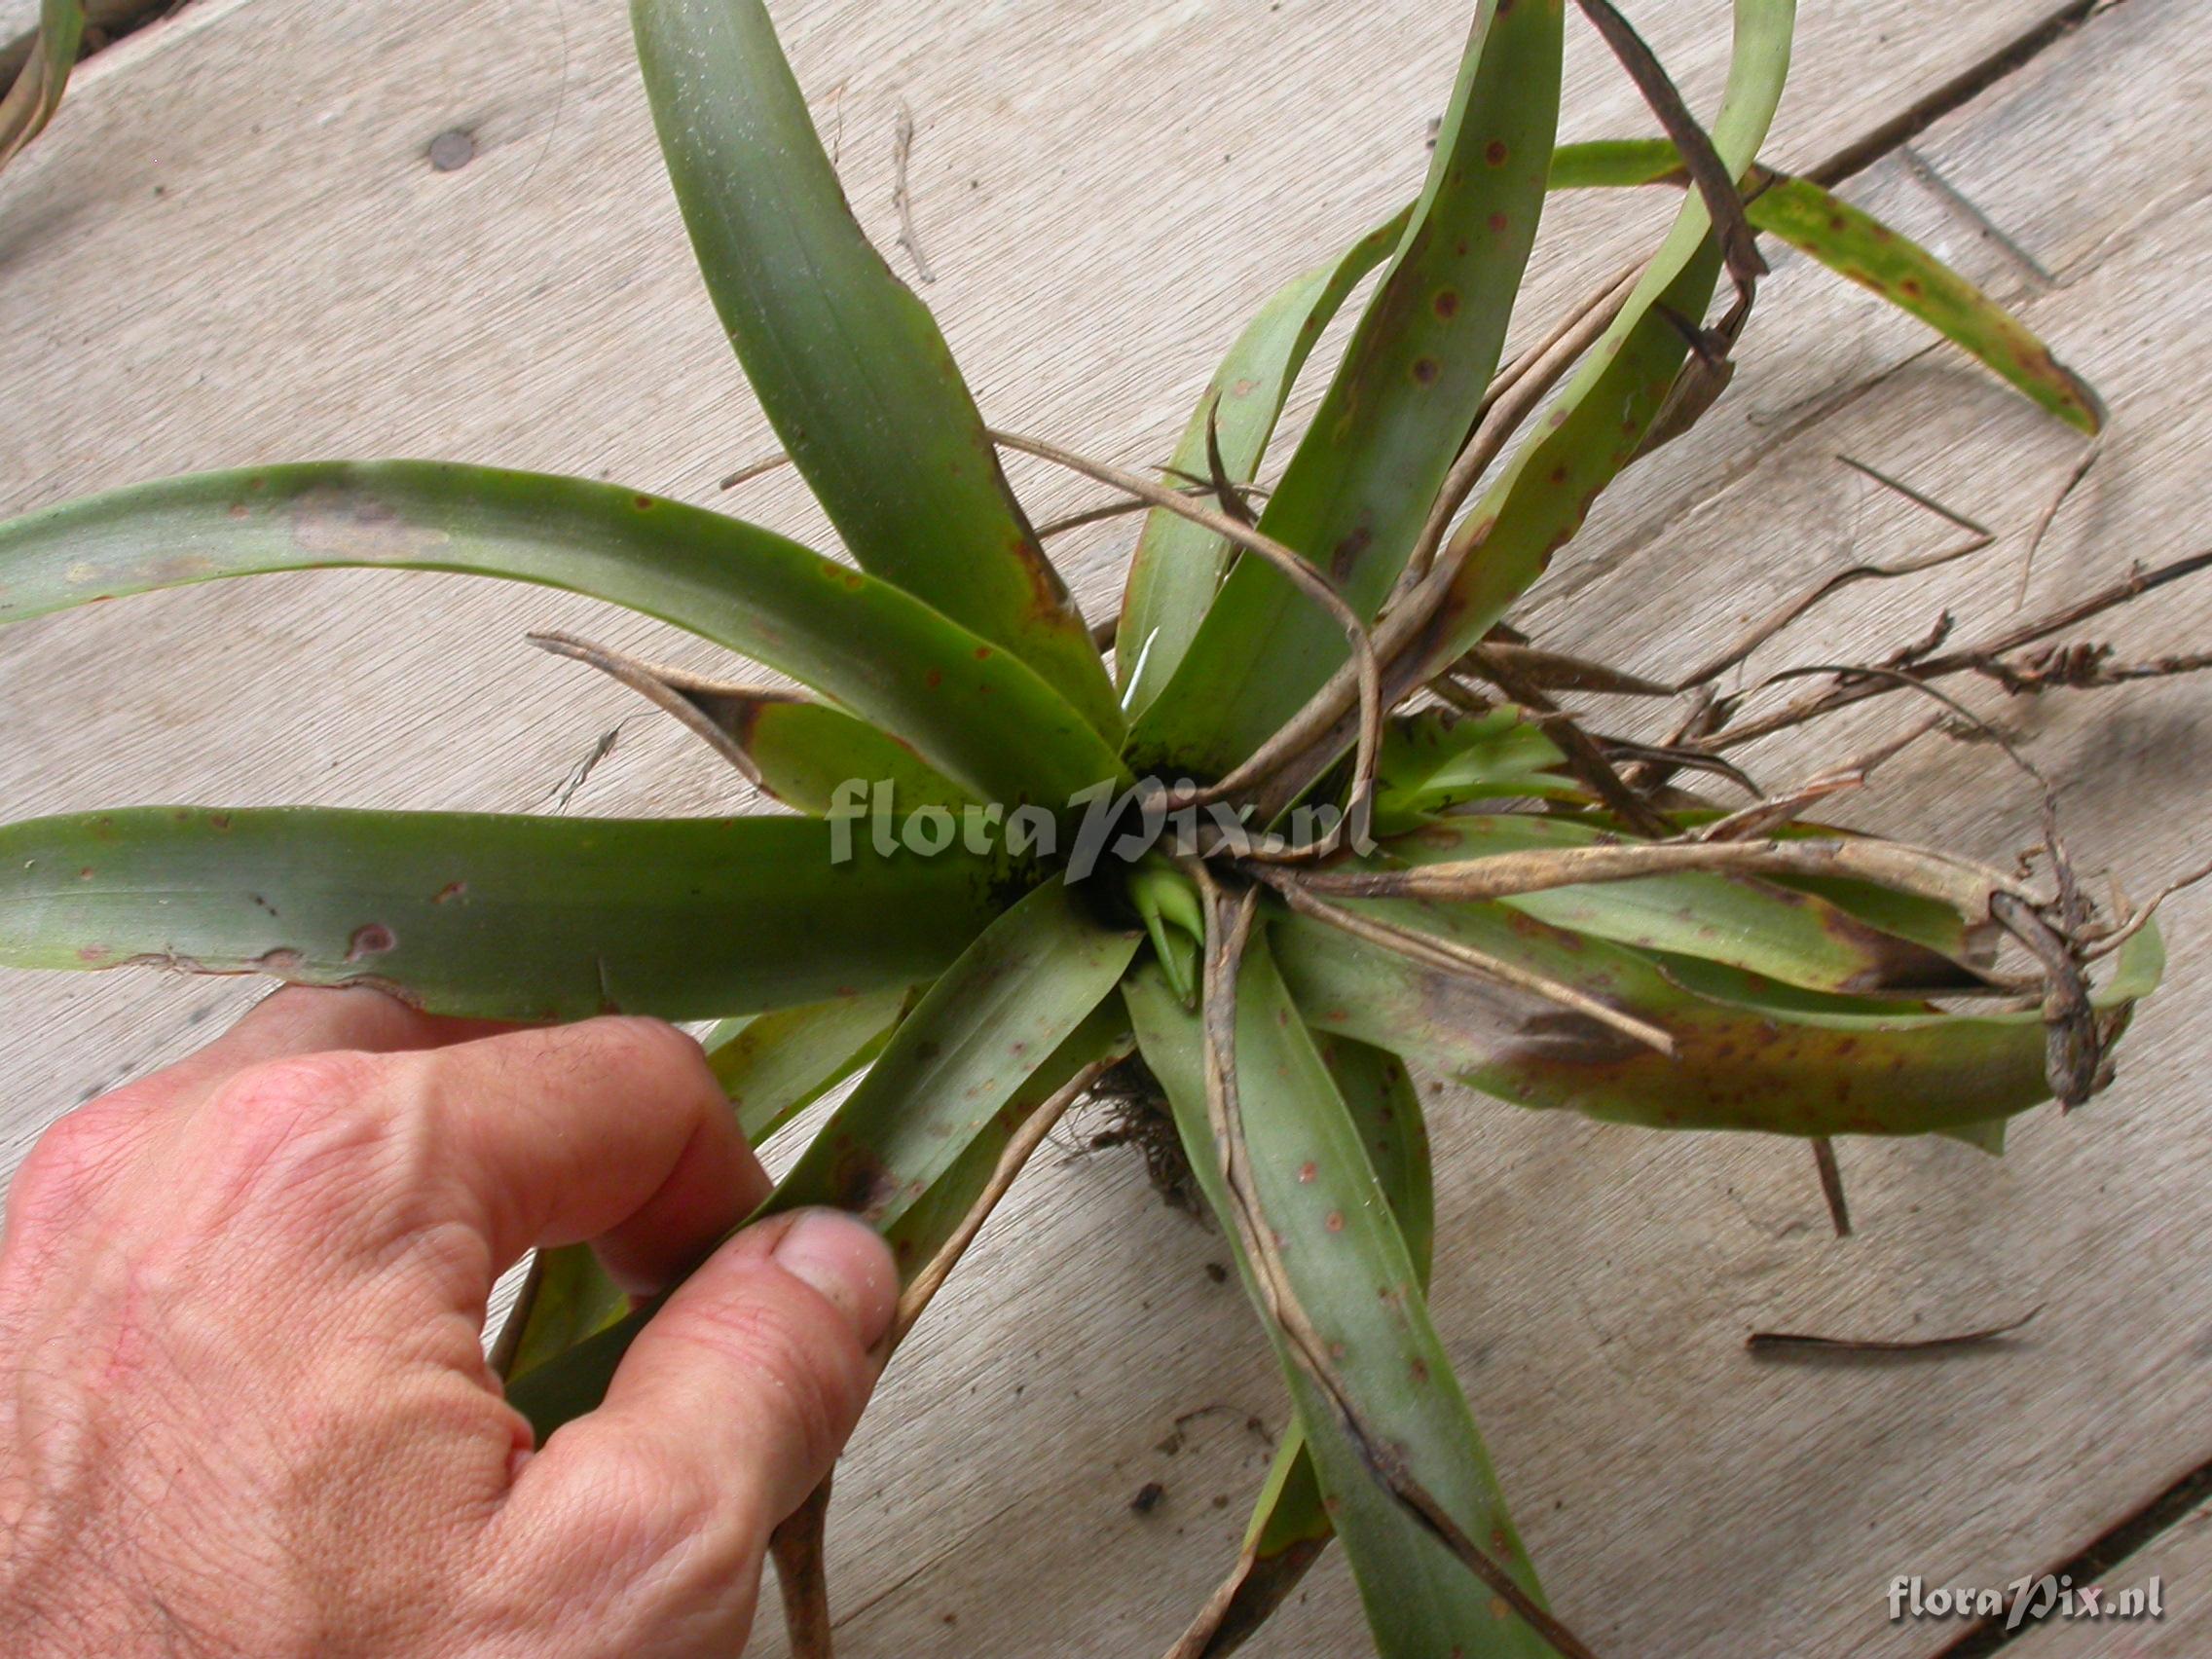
2180	1560
207	262
1976	1468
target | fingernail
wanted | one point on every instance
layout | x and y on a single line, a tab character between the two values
848	1263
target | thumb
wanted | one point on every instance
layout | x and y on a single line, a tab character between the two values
729	1408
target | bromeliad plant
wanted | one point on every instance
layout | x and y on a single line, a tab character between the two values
1389	843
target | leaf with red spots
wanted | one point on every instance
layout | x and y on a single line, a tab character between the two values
1359	1286
558	918
1358	489
1290	1522
1855	245
1597	423
1178	565
846	359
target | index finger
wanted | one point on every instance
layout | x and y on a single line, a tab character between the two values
612	1130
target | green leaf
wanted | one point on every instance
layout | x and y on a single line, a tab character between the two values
848	363
801	751
571	1300
1290	1522
1601	420
1177	566
805	752
1021	989
1789	935
509	918
1354	1277
775	1065
975	714
1395	419
926	1221
912	1145
1436	758
1603	164
1855	245
36	94
1773	1067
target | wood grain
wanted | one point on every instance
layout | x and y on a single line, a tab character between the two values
230	247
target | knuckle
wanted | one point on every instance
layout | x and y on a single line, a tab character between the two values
652	1047
75	1155
288	1121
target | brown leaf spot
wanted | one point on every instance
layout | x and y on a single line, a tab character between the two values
644	504
1307	1171
934	678
1333	1221
1495	152
451	891
1425	370
372	938
1501	223
982	652
1445	303
1349	551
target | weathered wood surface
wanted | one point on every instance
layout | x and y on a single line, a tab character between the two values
231	248
2178	1558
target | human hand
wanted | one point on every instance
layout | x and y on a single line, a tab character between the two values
244	1404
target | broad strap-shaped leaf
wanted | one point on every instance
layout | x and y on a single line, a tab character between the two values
499	917
1914	916
1435	758
1002	1028
1360	486
1178	565
1356	1281
1602	417
848	363
1857	246
775	1065
1290	1522
972	712
1791	935
1788	1064
36	92
925	1221
1013	996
